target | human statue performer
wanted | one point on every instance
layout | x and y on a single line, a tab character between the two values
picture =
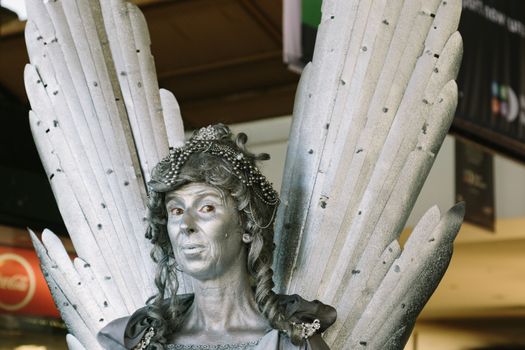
224	263
211	216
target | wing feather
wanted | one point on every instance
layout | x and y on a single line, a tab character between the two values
77	216
149	80
409	282
124	48
73	343
172	118
323	82
73	319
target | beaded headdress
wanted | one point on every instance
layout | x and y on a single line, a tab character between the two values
209	140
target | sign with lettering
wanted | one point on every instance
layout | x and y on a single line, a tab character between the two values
23	289
491	108
17	281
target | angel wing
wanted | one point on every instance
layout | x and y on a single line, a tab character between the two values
100	124
371	112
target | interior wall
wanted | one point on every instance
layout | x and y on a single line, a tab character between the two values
502	334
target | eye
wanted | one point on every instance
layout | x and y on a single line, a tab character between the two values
207	208
177	211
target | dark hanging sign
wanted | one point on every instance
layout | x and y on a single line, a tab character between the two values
491	108
475	184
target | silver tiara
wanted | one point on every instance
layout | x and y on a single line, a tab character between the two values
207	140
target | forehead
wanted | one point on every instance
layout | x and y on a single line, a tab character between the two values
193	190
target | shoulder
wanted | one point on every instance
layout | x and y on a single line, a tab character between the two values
311	318
135	331
130	332
308	314
112	335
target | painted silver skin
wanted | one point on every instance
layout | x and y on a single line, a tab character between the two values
209	246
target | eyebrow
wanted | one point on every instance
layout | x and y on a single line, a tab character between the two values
199	195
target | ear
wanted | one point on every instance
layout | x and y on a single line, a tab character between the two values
247	238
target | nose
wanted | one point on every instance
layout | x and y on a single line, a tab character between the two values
187	224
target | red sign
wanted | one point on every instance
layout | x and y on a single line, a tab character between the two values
23	289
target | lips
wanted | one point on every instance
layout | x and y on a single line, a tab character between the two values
192	248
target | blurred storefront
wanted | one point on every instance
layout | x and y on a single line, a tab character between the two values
28	316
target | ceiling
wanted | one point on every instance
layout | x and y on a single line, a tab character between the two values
221	58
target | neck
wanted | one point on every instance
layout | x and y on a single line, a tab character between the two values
225	303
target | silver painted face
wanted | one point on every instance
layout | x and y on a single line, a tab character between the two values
204	229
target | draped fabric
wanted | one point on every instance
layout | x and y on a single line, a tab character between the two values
126	332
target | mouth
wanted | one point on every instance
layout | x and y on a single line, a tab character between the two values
192	248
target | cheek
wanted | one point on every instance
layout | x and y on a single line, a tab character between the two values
173	231
233	242
224	238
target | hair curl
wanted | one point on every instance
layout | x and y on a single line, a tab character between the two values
256	219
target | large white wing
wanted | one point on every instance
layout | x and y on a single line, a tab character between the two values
371	112
100	125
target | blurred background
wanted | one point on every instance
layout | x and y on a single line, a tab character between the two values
238	62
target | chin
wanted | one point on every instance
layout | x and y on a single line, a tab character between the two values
200	270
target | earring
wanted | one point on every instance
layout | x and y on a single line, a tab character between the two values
247	238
